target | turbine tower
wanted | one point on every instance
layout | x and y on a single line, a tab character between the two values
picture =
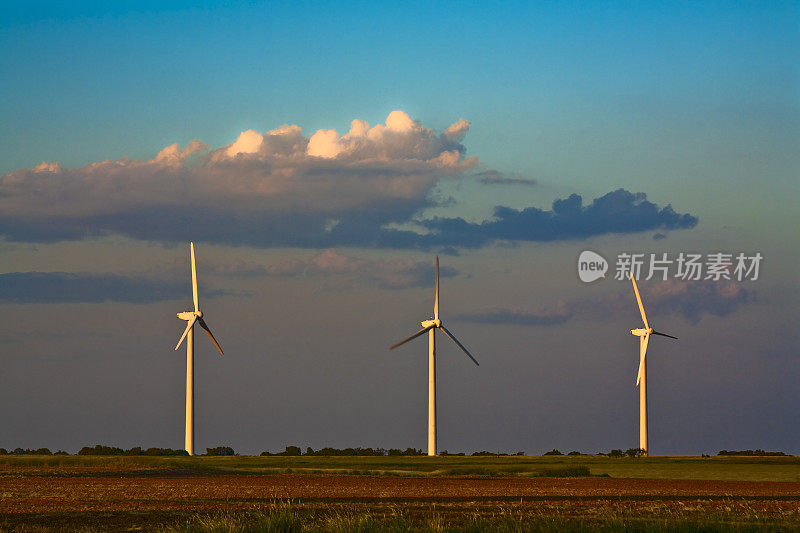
431	326
191	317
641	378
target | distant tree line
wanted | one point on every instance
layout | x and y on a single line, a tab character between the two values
484	453
99	449
630	452
633	453
344	452
370	452
136	450
752	453
28	451
220	451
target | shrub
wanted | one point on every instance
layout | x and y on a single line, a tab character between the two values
633	453
553	452
752	453
28	451
100	450
163	452
220	451
290	450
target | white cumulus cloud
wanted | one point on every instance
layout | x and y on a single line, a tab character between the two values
383	171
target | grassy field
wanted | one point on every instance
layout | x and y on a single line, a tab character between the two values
443	494
505	521
659	467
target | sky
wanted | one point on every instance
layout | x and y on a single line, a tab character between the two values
320	155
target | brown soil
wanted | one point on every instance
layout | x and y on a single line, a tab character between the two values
48	494
144	499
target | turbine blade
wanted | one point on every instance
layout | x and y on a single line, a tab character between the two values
436	298
194	280
452	338
186	332
642	353
639	301
412	337
205	327
664	335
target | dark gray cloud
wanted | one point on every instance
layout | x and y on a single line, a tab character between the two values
616	212
690	299
619	211
70	287
492	177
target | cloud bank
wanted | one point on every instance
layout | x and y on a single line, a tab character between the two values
522	317
387	274
283	188
171	282
690	299
70	287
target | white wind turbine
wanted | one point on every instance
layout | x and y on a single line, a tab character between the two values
641	378
191	317
431	326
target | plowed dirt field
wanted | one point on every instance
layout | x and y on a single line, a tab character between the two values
147	499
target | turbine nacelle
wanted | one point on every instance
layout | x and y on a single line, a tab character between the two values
195	316
641	332
434	322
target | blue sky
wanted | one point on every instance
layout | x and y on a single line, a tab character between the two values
697	106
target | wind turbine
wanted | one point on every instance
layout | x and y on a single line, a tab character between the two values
641	378
431	326
191	317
